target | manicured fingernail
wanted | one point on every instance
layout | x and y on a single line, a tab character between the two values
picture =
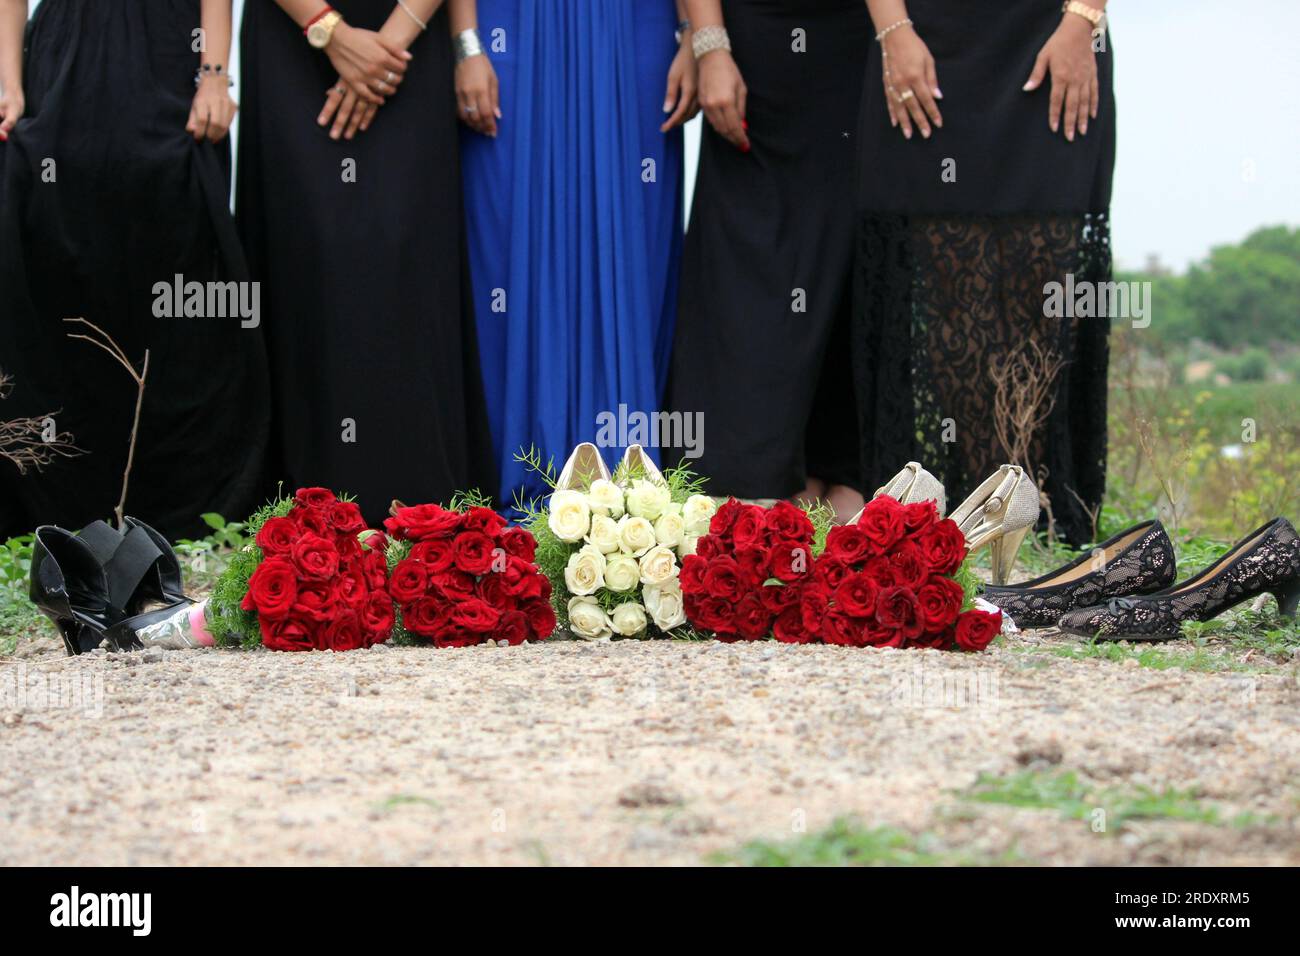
744	124
938	93
745	147
498	113
926	132
1028	86
907	133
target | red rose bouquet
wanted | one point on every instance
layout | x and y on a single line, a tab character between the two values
895	578
314	579
461	577
749	575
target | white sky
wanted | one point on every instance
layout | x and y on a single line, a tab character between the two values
1209	128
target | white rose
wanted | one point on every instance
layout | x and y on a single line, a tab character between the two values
658	565
588	619
688	545
629	619
606	498
570	516
697	512
636	536
664	602
622	573
603	534
669	529
647	499
585	572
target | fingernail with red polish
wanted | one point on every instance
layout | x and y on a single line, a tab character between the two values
744	124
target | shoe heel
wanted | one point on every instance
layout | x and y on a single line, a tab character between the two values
1004	551
1288	597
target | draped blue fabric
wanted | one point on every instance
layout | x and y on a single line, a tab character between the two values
574	222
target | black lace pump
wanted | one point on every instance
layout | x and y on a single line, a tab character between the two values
1266	560
1137	561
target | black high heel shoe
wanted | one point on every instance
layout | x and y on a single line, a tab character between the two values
1137	561
143	572
1266	560
69	586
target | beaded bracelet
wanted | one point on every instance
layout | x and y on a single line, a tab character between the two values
891	28
211	69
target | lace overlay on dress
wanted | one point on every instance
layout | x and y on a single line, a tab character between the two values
944	306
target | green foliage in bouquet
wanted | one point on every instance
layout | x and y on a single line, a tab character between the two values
230	624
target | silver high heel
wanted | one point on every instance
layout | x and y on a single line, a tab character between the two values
999	513
909	486
583	467
637	462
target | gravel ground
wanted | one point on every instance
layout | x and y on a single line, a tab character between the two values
622	753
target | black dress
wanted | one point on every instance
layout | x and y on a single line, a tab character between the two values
950	299
369	320
761	348
103	194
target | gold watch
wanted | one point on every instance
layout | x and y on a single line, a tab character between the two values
320	31
1094	16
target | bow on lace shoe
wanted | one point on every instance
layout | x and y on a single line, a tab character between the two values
1119	604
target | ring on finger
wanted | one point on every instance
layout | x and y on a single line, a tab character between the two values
389	78
471	109
906	95
339	90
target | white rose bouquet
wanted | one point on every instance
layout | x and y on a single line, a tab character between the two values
612	545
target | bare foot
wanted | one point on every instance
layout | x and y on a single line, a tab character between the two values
846	502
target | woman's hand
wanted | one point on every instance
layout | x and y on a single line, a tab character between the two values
1069	57
369	64
911	83
213	110
12	105
476	94
683	83
345	112
723	95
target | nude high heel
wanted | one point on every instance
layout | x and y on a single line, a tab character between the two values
999	513
583	467
909	486
636	461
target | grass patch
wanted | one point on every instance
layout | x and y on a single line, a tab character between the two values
846	842
1063	792
399	800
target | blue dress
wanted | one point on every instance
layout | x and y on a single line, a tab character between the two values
574	222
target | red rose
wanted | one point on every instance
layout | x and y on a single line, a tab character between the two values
722	579
857	595
541	618
375	566
377	616
880	570
453	635
787	522
312	520
484	520
790	627
351	589
345	517
452	585
709	547
829	572
423	523
492	589
747	531
789	562
919	515
272	589
813	606
342	634
847	543
692	573
276	535
875	634
437	556
315	557
714	614
752	618
940	602
838	628
519	543
911	568
882	522
423	616
512	628
753	564
724	518
377	541
777	597
975	629
943	546
522	580
896	610
314	497
475	614
473	552
316	601
286	635
409	581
